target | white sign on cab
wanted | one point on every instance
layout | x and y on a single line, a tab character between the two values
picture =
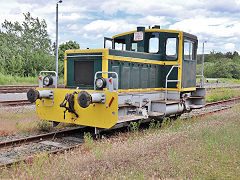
138	36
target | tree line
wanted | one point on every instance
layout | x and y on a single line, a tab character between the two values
26	49
221	65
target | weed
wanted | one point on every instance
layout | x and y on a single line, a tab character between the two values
152	124
44	125
134	126
165	122
88	139
99	149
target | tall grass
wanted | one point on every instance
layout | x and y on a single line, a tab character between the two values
221	94
16	80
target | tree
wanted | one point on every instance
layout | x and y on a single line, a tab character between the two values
62	48
25	48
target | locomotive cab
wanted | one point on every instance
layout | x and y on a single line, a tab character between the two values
138	75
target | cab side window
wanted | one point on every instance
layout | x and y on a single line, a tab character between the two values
188	50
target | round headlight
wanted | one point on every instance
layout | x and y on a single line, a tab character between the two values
47	80
100	83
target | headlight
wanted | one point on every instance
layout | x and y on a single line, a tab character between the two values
47	80
100	83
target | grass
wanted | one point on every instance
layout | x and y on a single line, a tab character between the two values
13	122
23	121
200	148
16	80
229	80
221	94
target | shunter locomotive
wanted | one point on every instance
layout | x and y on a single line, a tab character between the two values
144	74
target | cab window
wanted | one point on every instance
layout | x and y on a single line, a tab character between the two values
154	42
133	46
188	50
120	46
171	48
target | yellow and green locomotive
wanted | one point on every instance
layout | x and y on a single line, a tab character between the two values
144	74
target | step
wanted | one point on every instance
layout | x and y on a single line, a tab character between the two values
130	118
155	114
196	97
196	106
166	102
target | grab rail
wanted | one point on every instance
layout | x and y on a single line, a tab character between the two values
169	80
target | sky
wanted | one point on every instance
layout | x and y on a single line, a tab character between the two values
88	21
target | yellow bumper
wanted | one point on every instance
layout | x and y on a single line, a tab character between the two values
97	115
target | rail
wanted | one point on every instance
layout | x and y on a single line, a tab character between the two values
170	80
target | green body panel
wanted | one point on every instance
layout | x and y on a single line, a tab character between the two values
188	74
134	75
97	61
140	55
173	76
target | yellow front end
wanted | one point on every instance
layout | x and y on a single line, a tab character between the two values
95	115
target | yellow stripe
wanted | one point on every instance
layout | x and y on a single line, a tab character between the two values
180	49
105	62
189	89
148	30
65	69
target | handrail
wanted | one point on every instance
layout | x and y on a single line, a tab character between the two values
169	80
201	80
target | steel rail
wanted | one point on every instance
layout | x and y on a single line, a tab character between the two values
38	138
15	103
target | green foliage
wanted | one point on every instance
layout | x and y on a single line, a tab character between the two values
25	49
219	65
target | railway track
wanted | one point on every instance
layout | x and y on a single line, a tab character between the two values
19	150
4	89
61	141
15	103
15	88
212	107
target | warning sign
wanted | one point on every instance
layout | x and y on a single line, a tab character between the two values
138	36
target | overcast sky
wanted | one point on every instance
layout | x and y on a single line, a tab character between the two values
88	21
